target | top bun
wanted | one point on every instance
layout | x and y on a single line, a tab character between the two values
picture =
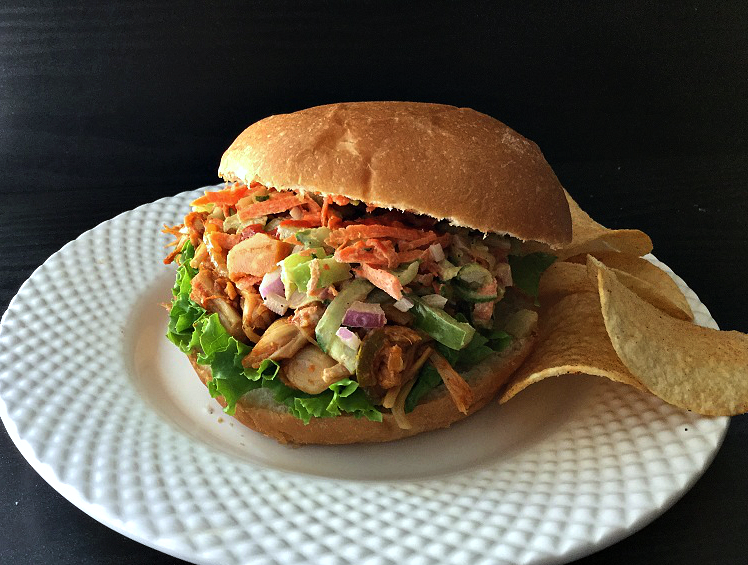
449	163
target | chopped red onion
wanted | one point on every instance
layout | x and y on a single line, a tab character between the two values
296	213
276	303
434	300
349	338
364	315
272	284
403	304
436	251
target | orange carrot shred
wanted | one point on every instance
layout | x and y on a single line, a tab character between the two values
381	279
274	205
364	231
312	205
228	196
380	253
416	243
325	211
413	255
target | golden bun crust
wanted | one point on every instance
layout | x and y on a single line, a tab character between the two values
447	162
437	410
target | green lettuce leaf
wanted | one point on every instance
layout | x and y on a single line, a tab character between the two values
479	349
428	379
483	344
342	396
184	312
527	269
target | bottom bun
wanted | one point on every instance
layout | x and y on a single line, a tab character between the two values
258	410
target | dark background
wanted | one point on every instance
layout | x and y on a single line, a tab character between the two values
642	111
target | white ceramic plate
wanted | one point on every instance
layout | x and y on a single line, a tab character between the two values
112	416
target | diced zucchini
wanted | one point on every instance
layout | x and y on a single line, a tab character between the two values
440	325
330	272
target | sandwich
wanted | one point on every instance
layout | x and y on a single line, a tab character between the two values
366	273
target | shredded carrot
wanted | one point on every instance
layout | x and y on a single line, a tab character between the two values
176	251
380	253
416	243
173	230
387	250
363	231
303	223
382	220
312	205
274	205
313	218
325	210
381	279
353	255
413	255
228	196
444	240
194	224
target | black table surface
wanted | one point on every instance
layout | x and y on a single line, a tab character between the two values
642	111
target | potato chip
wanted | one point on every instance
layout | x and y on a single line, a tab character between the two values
692	367
647	280
562	279
572	340
590	237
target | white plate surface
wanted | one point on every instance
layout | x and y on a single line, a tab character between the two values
112	416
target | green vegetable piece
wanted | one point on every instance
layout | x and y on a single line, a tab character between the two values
330	272
474	276
406	274
371	345
472	295
447	271
527	269
313	237
440	325
480	347
343	354
330	322
428	379
342	396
